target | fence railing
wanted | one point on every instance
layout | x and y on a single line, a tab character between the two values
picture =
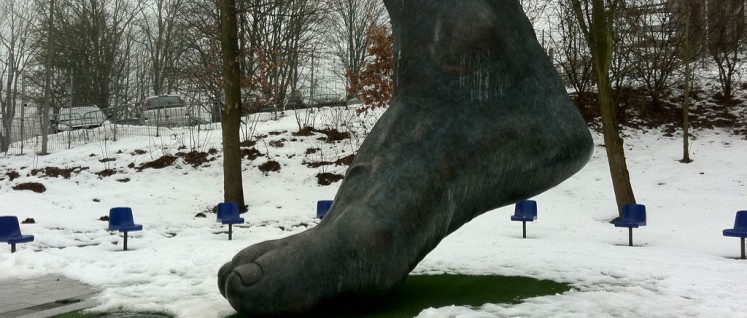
72	128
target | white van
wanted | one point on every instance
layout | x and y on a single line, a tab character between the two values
171	111
80	117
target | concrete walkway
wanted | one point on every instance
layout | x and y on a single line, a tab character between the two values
44	296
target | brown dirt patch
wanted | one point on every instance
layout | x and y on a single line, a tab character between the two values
124	180
327	178
311	151
138	152
345	161
318	164
194	158
305	131
106	173
248	143
268	166
277	143
33	186
250	153
58	172
331	134
160	163
107	160
13	175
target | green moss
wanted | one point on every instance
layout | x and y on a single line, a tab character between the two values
419	292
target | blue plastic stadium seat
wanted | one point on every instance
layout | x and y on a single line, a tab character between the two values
120	219
322	207
634	215
525	211
740	229
10	232
228	213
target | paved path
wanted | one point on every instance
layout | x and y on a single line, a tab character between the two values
43	297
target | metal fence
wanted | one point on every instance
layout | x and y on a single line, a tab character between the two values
69	128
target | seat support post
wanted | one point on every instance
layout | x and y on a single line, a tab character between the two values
13	248
125	241
524	229
742	240
630	236
230	231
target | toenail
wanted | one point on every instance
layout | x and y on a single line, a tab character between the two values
249	273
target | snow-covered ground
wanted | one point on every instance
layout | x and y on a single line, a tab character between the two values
681	265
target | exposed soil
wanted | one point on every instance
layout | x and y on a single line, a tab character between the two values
212	151
250	153
160	163
248	143
106	173
331	134
138	152
277	143
29	221
124	180
636	110
58	172
107	160
194	158
318	164
12	175
310	151
345	161
33	186
334	134
305	131
268	166
327	178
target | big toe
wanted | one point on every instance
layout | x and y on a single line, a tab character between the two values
248	273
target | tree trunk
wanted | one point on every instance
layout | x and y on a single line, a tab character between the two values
687	54
599	35
47	82
232	183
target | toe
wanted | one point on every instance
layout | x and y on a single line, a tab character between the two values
249	273
223	273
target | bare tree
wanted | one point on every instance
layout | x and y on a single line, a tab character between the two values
165	31
276	35
572	54
85	66
232	181
202	59
726	26
596	18
349	23
17	22
656	47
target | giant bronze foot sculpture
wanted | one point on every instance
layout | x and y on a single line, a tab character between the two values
479	120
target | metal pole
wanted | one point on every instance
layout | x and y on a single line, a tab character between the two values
125	241
742	239
230	231
524	228
630	236
13	247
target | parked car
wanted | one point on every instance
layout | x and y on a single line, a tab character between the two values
322	96
79	117
172	111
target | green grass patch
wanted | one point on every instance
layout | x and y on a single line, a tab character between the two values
81	314
419	292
